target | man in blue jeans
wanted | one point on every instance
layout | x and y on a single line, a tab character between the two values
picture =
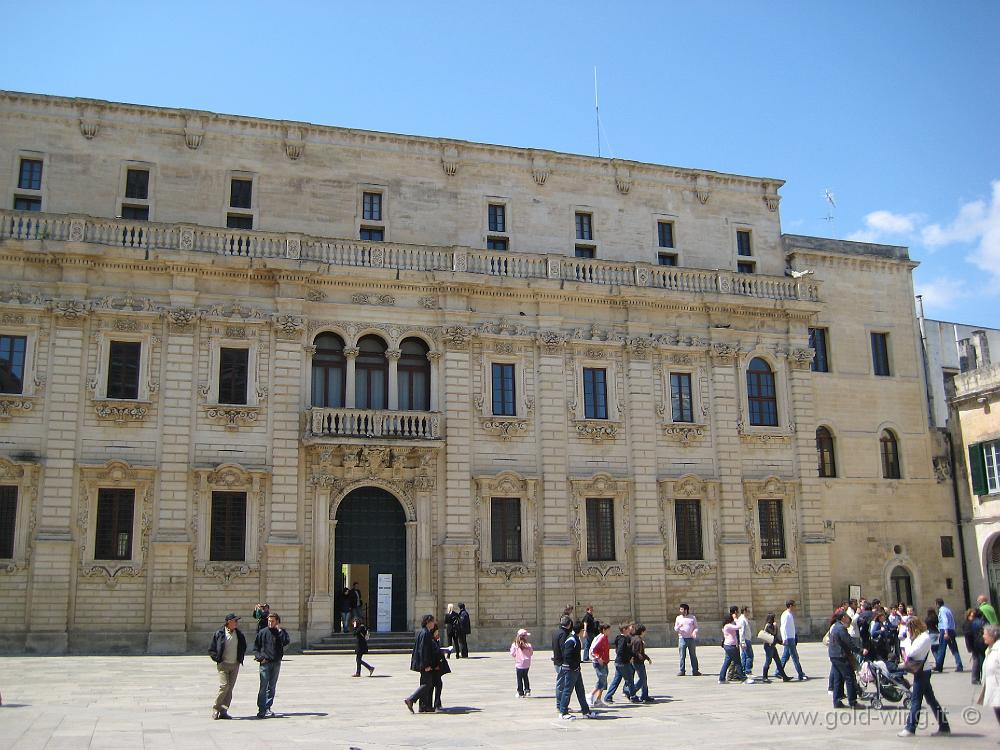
623	663
269	649
946	638
558	639
790	639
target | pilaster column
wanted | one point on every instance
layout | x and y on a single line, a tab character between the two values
351	355
393	356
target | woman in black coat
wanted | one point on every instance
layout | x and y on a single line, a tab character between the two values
771	651
361	648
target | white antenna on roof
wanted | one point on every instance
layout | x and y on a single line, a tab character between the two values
597	112
831	201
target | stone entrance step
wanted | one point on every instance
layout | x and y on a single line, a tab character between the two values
378	643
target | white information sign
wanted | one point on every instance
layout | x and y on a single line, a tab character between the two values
384	603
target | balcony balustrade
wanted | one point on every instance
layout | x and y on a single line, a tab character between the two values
373	423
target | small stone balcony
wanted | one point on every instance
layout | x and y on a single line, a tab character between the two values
372	424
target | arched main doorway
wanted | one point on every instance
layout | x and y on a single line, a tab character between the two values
902	585
371	541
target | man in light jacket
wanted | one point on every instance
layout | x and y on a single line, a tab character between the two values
227	650
686	627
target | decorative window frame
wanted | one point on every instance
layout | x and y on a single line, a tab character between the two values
16	324
709	492
505	426
601	485
119	475
596	357
764	435
505	484
25	477
359	210
238	336
773	488
15	192
254	210
229	478
487	233
126	329
149	202
694	431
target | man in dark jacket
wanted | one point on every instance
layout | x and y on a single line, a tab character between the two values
426	655
624	670
841	651
559	636
269	650
572	680
227	650
463	631
590	624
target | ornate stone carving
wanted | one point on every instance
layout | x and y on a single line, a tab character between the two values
194	131
458	337
70	309
294	143
120	413
227	571
350	352
801	359
373	299
90	120
623	178
233	417
449	160
182	318
10	407
539	170
597	430
725	352
507	571
127	303
771	201
428	303
680	359
187	238
942	469
639	347
393	355
77	230
504	427
315	295
293	247
693	569
236	332
763	439
701	189
126	326
504	347
594	353
602	571
288	326
684	434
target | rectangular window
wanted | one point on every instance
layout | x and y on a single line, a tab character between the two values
680	397
743	243
113	538
27	204
666	259
665	233
947	546
503	390
239	221
12	354
123	369
584	252
497	218
984	466
229	523
584	227
371	206
8	520
240	193
496	243
595	393
505	523
817	342
772	529
687	516
880	353
600	528
135	213
744	268
30	176
137	184
372	234
233	372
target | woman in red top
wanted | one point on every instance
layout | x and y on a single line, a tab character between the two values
600	654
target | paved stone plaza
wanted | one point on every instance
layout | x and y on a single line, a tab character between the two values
165	702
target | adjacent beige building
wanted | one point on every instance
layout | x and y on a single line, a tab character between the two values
252	360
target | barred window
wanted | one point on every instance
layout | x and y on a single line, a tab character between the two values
687	516
8	520
772	529
505	520
229	519
113	536
600	529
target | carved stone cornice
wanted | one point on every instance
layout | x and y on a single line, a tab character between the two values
764	439
13	406
70	310
504	427
120	412
685	434
597	430
458	337
232	417
725	352
551	341
373	299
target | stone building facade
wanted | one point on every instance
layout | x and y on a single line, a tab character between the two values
246	353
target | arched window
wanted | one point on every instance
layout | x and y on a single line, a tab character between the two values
329	370
890	455
824	453
761	397
414	375
371	375
902	585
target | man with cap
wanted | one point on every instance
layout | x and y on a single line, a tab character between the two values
227	651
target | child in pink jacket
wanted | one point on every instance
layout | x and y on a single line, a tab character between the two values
521	650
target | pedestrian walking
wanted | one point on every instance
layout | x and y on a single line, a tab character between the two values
558	636
227	650
269	650
746	643
770	636
844	665
624	670
974	624
686	627
423	660
441	668
573	679
451	629
600	655
989	694
946	638
984	606
521	651
590	624
356	602
639	660
361	648
789	638
730	644
464	630
918	661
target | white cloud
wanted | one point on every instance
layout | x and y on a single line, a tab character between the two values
883	225
987	255
941	293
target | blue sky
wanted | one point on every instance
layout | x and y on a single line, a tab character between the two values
894	106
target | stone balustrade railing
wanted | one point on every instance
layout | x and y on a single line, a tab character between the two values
28	225
373	423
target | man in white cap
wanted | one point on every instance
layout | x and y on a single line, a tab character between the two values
227	651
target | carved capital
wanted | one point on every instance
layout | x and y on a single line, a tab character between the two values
393	355
182	318
351	352
725	352
802	359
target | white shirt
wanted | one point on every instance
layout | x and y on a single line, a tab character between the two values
787	625
744	623
920	650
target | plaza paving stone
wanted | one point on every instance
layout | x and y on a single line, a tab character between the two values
63	703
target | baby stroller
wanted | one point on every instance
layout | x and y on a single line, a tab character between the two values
880	682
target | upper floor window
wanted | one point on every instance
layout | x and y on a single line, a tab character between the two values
27	204
889	449
414	376
8	520
13	351
503	390
371	208
666	259
141	213
505	523
584	227
595	393
229	523
984	466
687	520
681	409
761	394
371	374
497	243
772	529
824	453
30	175
745	267
818	342
600	528
880	353
329	371
584	252
115	513
124	359
497	217
371	234
665	233
743	246
137	184
240	193
234	371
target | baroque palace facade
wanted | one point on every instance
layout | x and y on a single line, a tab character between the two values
244	358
